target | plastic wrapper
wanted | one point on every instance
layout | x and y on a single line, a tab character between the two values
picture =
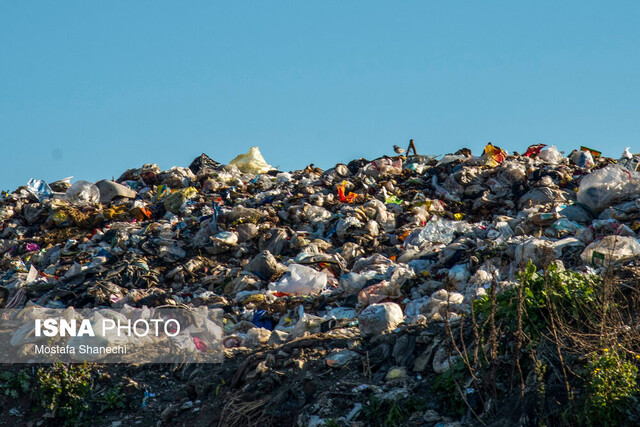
222	242
61	219
493	155
177	177
594	153
394	199
534	149
348	197
40	189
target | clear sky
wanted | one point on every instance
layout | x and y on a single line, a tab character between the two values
90	89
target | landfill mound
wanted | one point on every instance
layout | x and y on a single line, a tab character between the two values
465	290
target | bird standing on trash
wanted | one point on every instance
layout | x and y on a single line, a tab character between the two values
398	150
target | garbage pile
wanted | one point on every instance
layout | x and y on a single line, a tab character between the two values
360	252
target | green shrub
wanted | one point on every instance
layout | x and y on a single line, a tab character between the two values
444	386
390	413
14	383
113	398
612	388
572	295
65	390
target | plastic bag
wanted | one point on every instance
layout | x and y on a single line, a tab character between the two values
437	231
341	358
630	161
347	225
594	153
493	155
379	318
565	227
550	155
62	219
177	177
394	199
227	237
300	280
174	201
459	273
450	158
315	214
82	192
352	283
604	187
583	159
40	189
611	249
632	164
383	167
533	249
264	265
345	198
222	242
251	162
375	293
306	323
534	149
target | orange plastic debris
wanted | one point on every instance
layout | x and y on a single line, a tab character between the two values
404	235
494	155
349	198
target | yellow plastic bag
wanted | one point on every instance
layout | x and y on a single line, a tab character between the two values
251	162
61	219
115	212
494	155
173	201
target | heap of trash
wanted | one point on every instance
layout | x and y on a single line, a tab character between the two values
334	285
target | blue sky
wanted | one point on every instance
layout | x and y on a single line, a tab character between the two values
90	89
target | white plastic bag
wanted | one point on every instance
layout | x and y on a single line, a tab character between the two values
583	159
550	155
611	249
300	280
607	186
82	192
